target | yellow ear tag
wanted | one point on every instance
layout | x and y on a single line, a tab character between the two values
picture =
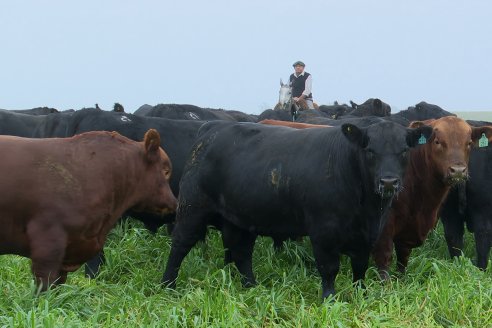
483	141
422	140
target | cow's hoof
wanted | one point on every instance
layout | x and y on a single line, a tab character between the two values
384	275
168	284
328	295
248	283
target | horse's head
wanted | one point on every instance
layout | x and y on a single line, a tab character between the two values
285	95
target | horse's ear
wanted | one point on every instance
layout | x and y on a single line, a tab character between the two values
281	82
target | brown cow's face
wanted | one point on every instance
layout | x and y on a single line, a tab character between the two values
157	197
450	144
164	197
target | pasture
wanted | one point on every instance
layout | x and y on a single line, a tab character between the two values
478	116
436	291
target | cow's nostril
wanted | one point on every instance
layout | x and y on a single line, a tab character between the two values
457	170
389	183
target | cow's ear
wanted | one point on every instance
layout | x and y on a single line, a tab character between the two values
355	134
419	135
482	136
417	124
152	142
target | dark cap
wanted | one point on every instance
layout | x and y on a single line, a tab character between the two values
298	63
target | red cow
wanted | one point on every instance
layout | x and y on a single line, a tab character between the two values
432	170
61	196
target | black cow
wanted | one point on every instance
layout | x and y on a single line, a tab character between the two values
285	115
359	121
275	114
118	108
36	111
334	185
335	111
241	117
143	110
188	112
304	115
420	112
54	125
471	204
371	107
17	124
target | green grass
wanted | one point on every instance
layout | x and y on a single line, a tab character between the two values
436	291
478	115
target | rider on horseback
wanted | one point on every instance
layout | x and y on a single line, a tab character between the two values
301	83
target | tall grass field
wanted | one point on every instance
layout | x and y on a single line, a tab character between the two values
436	291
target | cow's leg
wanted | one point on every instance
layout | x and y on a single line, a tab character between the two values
278	243
402	255
359	262
382	254
93	266
482	244
328	264
63	277
239	246
454	229
189	229
170	228
47	250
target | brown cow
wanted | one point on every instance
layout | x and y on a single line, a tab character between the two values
61	197
295	125
432	170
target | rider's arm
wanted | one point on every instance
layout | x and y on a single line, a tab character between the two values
307	87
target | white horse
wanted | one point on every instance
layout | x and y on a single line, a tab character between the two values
285	100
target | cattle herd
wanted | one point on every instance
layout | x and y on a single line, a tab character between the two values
357	180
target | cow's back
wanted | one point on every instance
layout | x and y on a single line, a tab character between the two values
62	168
280	163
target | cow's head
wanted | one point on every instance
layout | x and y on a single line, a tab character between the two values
156	195
384	152
448	149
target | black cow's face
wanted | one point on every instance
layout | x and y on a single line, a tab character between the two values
384	152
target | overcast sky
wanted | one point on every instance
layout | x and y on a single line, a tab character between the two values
232	54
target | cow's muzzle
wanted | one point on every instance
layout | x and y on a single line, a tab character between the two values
389	186
457	174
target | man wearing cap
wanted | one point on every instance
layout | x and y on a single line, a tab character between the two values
301	83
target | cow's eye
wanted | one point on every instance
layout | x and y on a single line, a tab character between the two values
437	142
470	143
